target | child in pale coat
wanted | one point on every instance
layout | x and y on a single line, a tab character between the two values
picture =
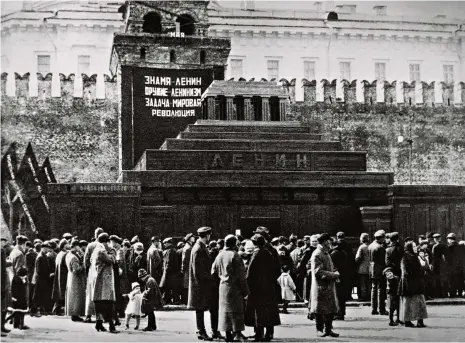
287	287
134	305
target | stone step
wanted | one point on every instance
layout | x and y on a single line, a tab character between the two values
250	160
251	145
253	126
259	179
254	135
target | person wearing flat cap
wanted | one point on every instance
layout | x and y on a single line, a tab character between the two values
171	270
455	264
352	273
262	306
440	263
377	254
130	256
154	260
59	279
40	280
31	256
68	237
185	261
75	300
152	298
323	301
202	286
115	243
18	254
90	310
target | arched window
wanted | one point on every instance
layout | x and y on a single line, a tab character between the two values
152	23
202	56
332	16
172	56
187	24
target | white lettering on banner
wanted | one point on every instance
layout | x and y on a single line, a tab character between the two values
179	92
173	113
158	81
154	91
36	180
188	81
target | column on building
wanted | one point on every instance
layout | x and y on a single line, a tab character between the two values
248	108
283	102
211	107
230	108
266	114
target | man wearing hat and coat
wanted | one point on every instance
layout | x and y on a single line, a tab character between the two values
40	280
377	255
152	298
171	269
130	256
203	295
59	280
154	260
440	262
31	256
18	254
455	264
185	262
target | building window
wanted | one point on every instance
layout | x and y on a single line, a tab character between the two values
309	70
380	72
152	23
345	70
236	68
43	64
448	73
273	69
414	72
186	24
83	64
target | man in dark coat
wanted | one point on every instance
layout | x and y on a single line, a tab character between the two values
130	256
341	264
152	298
394	254
440	262
171	269
41	279
305	268
455	264
155	260
60	279
262	308
351	266
377	255
115	243
31	256
203	295
185	262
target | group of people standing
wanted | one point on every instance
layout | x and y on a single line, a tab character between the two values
240	282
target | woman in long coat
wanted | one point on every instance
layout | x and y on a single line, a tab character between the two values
230	270
75	299
59	279
103	294
262	307
412	288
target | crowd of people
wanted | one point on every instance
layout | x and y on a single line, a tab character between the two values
239	281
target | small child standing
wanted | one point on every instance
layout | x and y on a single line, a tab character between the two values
391	290
134	305
287	287
20	298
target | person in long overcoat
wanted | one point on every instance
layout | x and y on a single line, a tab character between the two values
350	262
305	268
342	265
171	269
155	260
90	308
103	291
31	257
262	306
75	299
151	298
362	260
323	296
42	272
185	261
115	243
59	279
202	285
394	254
5	290
440	264
377	254
456	258
230	271
412	288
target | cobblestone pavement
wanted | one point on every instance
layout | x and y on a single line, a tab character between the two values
445	323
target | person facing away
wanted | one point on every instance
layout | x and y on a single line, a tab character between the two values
288	287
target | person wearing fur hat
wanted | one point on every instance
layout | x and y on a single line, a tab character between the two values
133	309
60	277
151	298
171	269
75	299
40	280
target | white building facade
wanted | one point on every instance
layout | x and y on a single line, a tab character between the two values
324	43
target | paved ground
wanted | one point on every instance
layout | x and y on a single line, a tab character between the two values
445	323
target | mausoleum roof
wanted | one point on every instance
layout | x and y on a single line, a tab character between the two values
247	88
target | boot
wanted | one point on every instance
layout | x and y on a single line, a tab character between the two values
202	336
112	327
99	326
420	324
4	329
409	324
21	323
88	319
217	335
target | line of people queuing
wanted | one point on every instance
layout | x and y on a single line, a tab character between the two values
113	278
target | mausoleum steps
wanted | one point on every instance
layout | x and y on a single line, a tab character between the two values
278	160
250	144
249	135
253	126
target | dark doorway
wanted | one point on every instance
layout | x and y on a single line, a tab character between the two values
257	108
248	226
274	108
152	23
239	103
187	24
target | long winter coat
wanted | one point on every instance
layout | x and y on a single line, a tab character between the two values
18	260
201	282
186	259
151	296
412	279
154	263
19	293
124	285
90	308
140	262
323	289
75	299
60	277
229	269
6	283
262	305
41	280
31	257
171	268
377	260
394	254
362	259
103	279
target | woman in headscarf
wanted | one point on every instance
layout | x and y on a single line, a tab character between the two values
412	288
